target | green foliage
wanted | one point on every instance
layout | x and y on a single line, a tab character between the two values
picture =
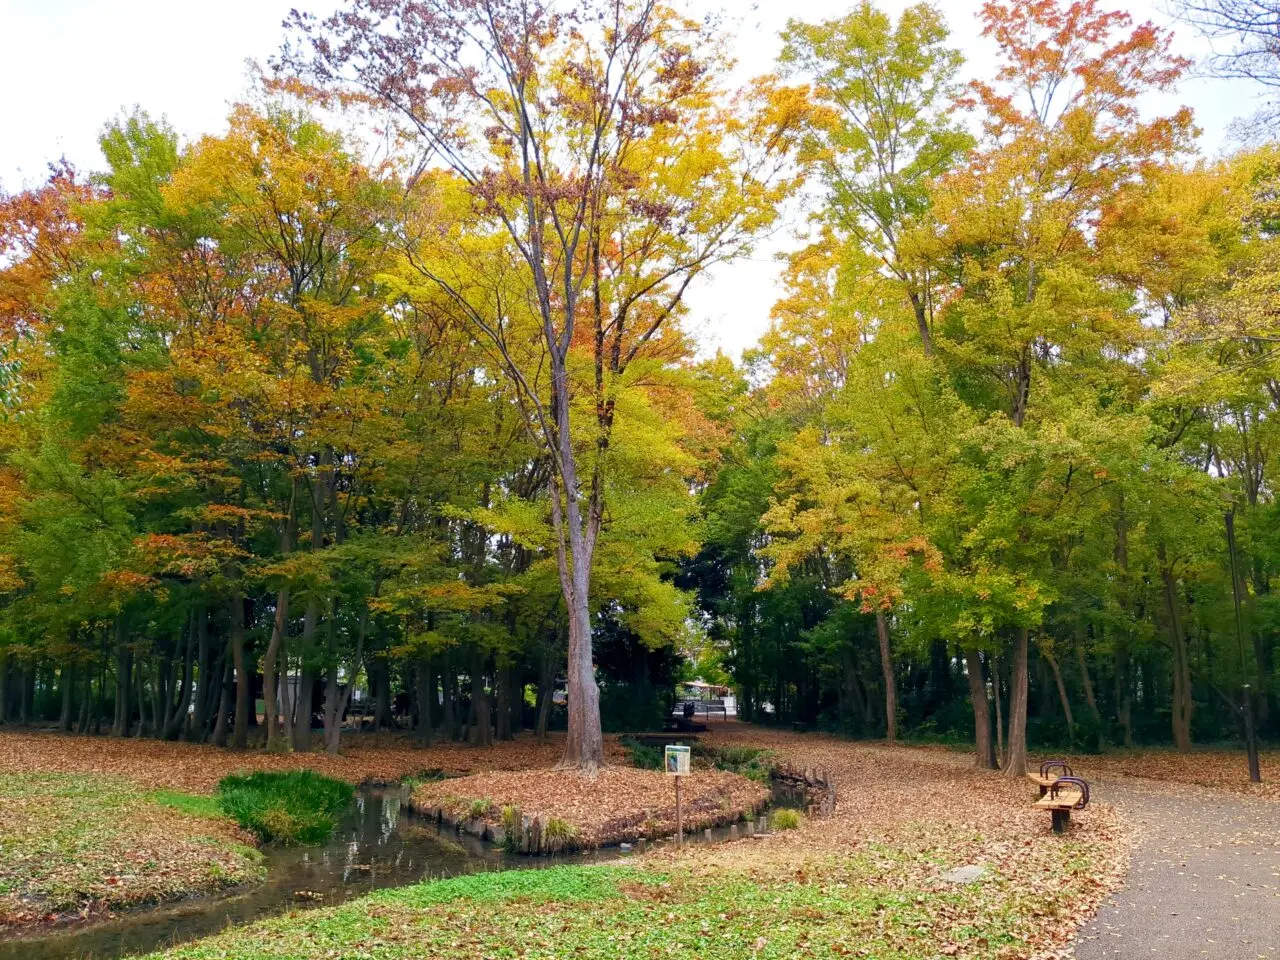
785	819
198	805
479	808
511	829
295	807
631	707
751	762
642	755
559	833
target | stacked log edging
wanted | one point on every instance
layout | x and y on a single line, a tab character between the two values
635	827
819	791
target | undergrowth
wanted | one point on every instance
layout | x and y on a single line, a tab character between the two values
299	806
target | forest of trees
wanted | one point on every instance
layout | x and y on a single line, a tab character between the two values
395	380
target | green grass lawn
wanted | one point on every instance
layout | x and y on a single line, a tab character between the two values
76	843
83	843
874	904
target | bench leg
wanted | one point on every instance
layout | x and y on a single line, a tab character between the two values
1043	789
1060	820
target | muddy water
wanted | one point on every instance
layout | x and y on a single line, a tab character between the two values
378	844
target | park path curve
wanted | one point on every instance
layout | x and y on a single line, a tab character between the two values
1204	883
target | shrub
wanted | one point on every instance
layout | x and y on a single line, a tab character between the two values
511	827
559	832
479	809
642	756
299	806
785	819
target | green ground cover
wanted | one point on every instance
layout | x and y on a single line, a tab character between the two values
76	843
297	806
877	903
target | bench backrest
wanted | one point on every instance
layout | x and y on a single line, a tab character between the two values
1067	784
1055	767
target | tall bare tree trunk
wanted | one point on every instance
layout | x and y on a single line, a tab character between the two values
244	688
276	739
222	721
67	681
1016	765
502	694
177	717
1182	700
999	698
425	695
985	751
890	685
1062	691
482	726
205	678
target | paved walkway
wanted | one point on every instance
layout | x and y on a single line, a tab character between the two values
1204	882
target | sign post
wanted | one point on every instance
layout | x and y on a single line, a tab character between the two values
676	764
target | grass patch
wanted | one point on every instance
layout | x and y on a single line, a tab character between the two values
76	842
643	756
785	820
511	828
559	832
298	806
842	908
750	762
196	805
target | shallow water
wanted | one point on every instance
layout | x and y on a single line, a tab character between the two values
378	844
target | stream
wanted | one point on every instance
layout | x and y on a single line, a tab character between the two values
377	844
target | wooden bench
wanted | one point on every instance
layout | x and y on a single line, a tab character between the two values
1049	773
1064	795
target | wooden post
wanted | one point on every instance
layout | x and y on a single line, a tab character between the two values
679	815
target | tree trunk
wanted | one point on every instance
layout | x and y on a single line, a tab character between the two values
448	718
482	726
382	718
302	708
226	688
276	736
86	697
1124	700
1062	692
1086	682
1182	701
425	694
205	672
890	685
546	693
1017	763
999	698
271	688
244	689
584	744
502	694
4	686
67	681
178	717
124	669
515	702
985	758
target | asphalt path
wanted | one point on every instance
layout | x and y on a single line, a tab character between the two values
1204	881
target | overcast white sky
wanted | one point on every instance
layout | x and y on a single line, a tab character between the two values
71	65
